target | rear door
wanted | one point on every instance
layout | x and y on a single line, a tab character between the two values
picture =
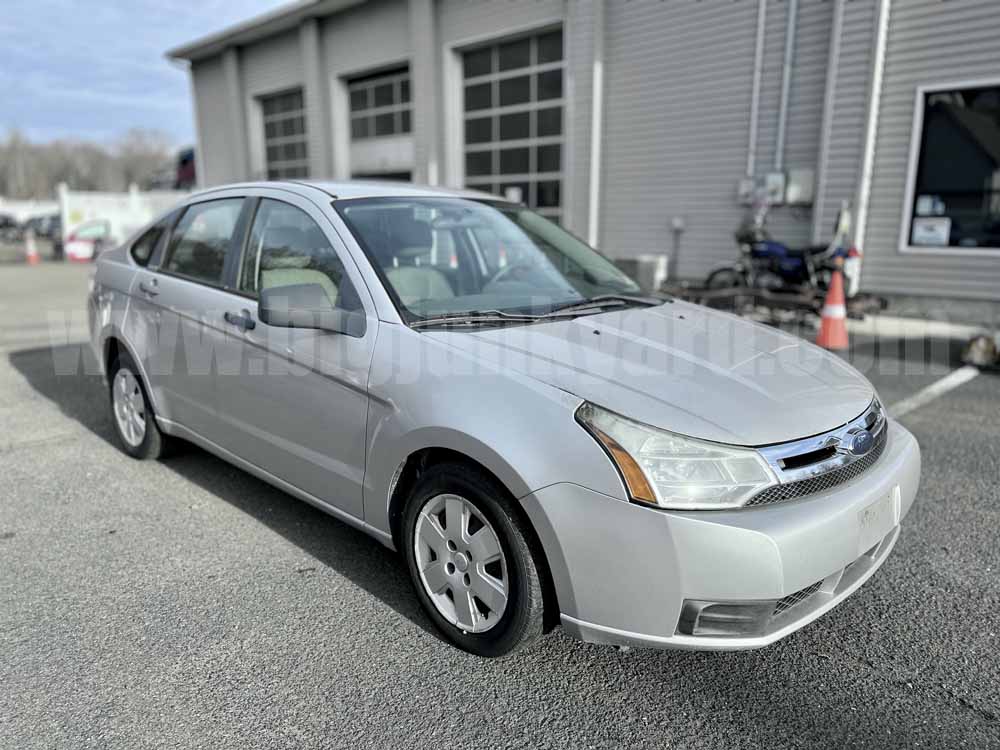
186	333
298	406
144	321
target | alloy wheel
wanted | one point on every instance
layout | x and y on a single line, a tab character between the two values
129	407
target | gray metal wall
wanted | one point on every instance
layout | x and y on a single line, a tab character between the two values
805	104
271	65
677	109
578	35
370	36
462	20
929	42
850	109
267	67
365	38
677	99
218	158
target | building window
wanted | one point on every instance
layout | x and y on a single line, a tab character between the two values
380	104
514	120
956	190
286	152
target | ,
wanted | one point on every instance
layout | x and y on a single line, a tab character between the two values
478	389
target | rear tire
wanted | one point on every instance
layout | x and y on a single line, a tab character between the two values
725	278
471	562
132	413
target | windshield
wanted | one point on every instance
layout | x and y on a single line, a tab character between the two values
446	256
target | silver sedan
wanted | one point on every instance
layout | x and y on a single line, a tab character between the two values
474	387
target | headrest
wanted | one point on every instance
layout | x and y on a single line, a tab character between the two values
271	262
278	242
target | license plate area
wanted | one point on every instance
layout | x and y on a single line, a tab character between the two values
876	520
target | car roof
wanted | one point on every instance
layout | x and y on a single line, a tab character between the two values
346	190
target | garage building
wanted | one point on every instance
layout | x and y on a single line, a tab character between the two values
641	125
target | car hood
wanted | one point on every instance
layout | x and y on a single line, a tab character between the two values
683	368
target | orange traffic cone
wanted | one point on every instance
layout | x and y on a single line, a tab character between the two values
833	323
30	249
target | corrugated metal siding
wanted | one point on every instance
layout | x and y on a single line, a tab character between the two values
677	98
929	42
358	41
317	97
272	65
677	116
460	20
805	104
269	66
578	38
219	161
850	109
367	37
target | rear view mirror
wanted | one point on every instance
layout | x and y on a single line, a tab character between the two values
307	306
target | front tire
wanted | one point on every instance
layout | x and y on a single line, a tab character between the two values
471	562
131	412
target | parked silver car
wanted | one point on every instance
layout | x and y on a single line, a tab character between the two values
474	387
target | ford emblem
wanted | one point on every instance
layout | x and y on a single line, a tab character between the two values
859	443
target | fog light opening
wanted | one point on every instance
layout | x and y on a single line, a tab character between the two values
733	619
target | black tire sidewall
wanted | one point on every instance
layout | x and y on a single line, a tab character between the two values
489	499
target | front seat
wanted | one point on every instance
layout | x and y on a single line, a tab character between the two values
412	238
413	283
279	268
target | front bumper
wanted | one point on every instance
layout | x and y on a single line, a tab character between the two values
622	572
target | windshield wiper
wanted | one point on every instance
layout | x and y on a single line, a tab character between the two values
570	309
474	318
605	300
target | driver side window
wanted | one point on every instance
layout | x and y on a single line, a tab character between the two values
287	247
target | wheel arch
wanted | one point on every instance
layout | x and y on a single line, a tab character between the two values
112	348
113	344
420	460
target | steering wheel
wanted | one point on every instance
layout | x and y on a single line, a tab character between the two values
507	271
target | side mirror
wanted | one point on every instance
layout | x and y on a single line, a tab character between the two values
307	306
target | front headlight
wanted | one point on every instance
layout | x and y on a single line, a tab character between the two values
672	471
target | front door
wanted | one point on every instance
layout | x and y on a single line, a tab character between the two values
298	406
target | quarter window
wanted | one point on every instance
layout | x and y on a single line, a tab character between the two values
513	120
287	247
142	248
285	148
956	197
380	105
201	239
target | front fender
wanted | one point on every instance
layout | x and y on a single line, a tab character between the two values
461	442
522	431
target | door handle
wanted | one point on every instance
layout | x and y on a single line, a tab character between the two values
149	287
241	320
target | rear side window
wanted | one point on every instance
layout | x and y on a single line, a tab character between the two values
201	239
142	248
287	247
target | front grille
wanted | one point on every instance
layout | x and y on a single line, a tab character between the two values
782	492
798	597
